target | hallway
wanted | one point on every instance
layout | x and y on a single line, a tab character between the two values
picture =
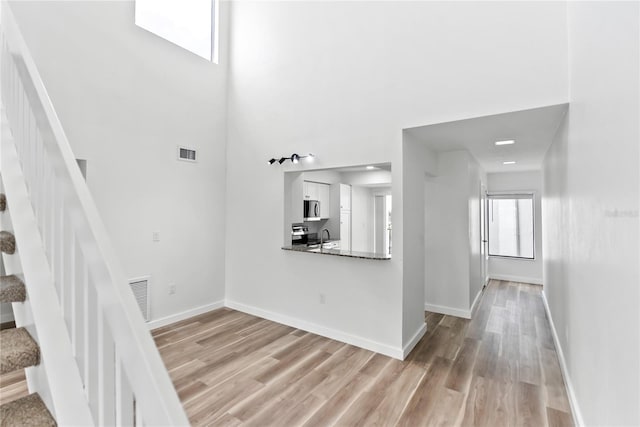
500	368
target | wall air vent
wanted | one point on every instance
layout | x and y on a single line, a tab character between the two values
187	154
140	289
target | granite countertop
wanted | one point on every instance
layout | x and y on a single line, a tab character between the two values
337	252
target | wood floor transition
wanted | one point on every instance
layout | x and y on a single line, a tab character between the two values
500	368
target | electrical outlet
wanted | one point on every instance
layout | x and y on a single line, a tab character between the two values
156	236
323	300
172	288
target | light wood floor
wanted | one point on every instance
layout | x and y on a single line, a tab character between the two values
498	369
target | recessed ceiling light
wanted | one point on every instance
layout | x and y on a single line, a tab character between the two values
371	167
507	142
510	162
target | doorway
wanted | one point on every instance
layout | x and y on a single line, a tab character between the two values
484	241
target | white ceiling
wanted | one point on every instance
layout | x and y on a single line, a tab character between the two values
533	130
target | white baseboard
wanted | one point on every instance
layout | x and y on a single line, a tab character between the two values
474	306
414	340
450	311
367	344
519	279
573	402
457	312
164	321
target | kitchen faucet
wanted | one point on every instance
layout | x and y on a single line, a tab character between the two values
322	236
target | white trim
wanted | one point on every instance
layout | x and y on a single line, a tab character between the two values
474	306
450	311
519	279
457	312
164	321
573	401
414	340
387	350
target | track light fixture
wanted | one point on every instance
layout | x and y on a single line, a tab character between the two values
295	158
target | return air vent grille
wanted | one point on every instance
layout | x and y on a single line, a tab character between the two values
140	289
187	154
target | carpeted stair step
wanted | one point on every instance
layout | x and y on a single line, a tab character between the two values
26	411
3	202
19	350
7	242
12	289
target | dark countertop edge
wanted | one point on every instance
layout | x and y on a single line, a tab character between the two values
338	252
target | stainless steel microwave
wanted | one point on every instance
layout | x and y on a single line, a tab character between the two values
311	210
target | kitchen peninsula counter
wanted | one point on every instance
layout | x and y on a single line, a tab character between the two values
337	252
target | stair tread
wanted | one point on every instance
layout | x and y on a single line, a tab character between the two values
26	411
12	289
17	350
7	242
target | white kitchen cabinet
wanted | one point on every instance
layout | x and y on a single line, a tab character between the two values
345	197
324	197
345	230
310	190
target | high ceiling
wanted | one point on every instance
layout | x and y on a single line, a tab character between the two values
533	131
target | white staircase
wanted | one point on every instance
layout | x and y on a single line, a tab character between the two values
98	362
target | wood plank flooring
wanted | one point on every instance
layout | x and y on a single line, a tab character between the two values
500	368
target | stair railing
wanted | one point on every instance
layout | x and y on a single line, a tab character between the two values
118	367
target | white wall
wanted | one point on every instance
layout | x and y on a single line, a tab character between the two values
521	270
453	276
341	80
447	233
477	177
590	215
126	99
294	86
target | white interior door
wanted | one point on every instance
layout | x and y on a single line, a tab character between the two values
484	241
